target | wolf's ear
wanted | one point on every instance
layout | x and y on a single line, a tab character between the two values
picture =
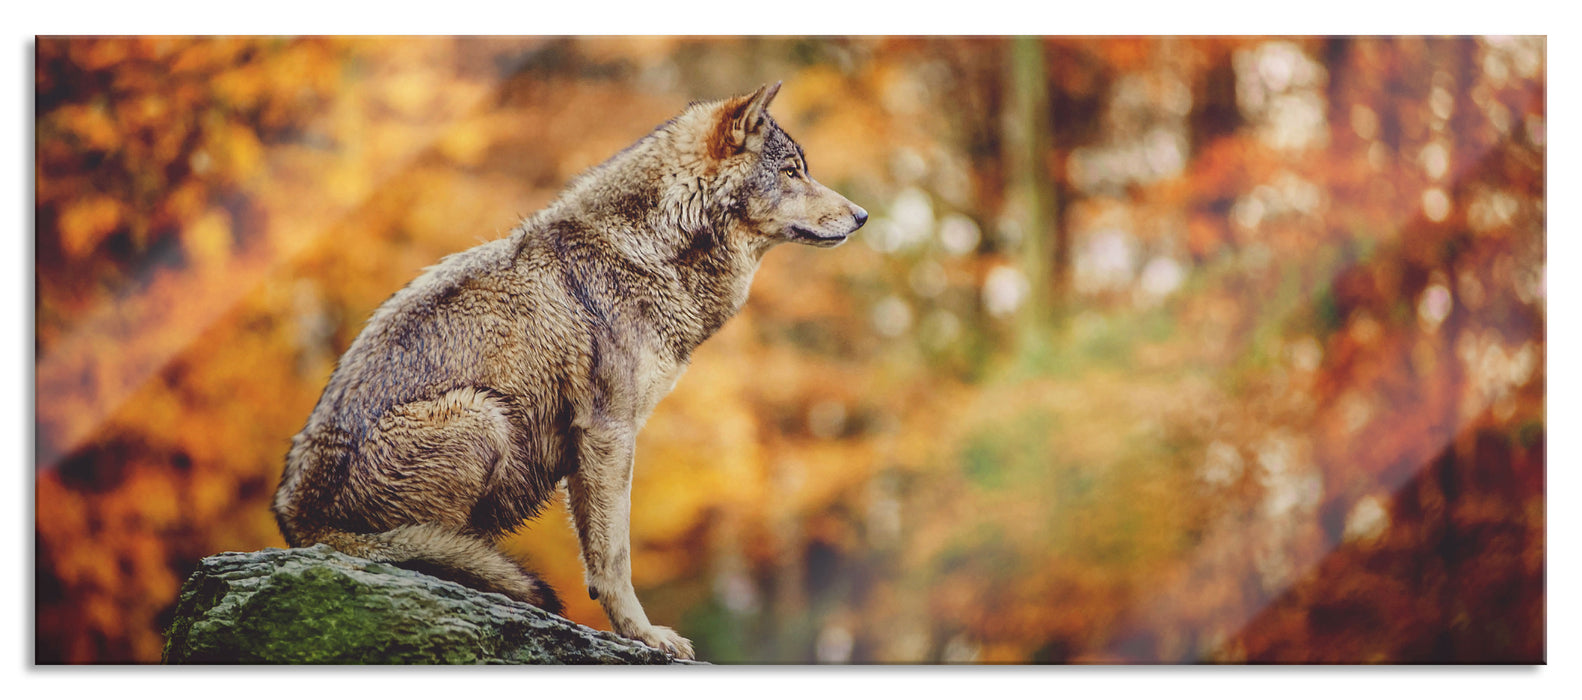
740	119
757	106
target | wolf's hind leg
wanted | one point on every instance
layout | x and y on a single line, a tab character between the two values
431	461
415	484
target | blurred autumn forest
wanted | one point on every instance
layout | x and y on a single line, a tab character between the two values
1155	350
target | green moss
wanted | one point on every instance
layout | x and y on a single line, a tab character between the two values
316	606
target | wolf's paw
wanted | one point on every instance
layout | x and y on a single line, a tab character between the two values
664	639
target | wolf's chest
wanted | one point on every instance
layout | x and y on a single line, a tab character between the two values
657	374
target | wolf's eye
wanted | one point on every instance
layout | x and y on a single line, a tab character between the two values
792	172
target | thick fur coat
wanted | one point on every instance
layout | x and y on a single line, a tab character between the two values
508	368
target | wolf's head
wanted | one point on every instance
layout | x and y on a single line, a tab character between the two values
737	177
765	177
720	179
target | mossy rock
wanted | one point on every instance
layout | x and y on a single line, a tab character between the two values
318	606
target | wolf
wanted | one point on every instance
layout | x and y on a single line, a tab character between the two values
532	361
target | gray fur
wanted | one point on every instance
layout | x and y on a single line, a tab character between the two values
507	368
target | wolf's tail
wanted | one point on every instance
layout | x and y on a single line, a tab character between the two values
454	556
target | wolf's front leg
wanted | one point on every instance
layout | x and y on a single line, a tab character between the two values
600	496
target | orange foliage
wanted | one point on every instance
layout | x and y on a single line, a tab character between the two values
1292	409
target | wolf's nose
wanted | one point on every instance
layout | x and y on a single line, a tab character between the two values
861	214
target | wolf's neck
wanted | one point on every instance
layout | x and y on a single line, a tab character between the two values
695	277
683	296
715	277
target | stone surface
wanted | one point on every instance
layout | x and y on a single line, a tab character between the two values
318	606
